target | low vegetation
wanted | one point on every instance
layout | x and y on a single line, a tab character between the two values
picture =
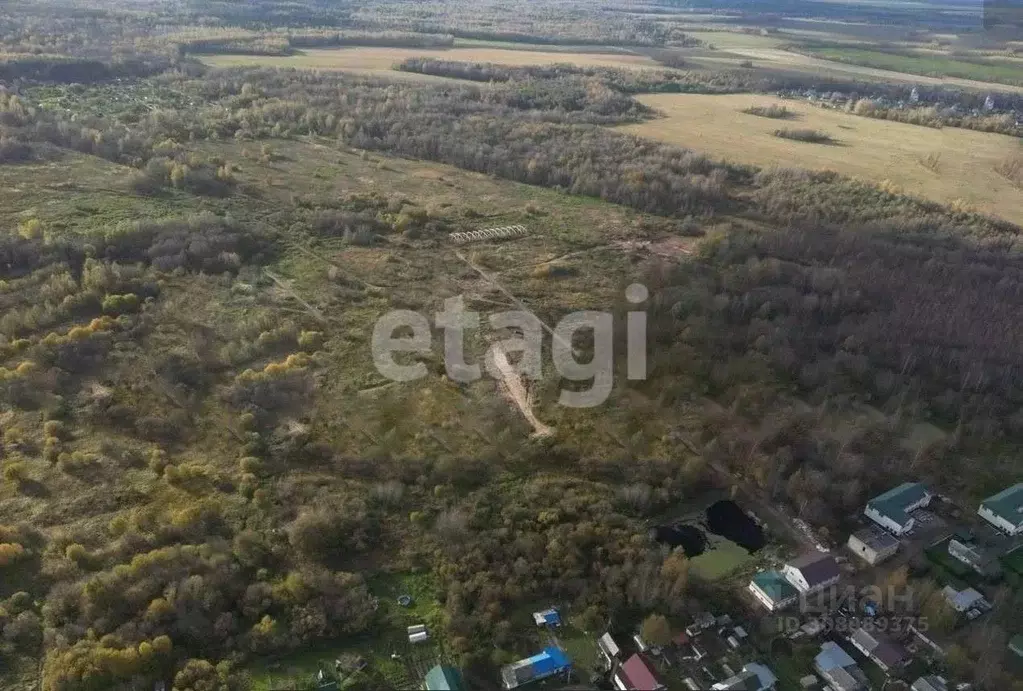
774	111
805	135
1011	169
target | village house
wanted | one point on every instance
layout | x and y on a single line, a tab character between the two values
548	617
753	677
772	590
1005	510
930	683
983	561
892	509
552	661
635	674
443	678
809	573
812	572
838	669
962	601
883	652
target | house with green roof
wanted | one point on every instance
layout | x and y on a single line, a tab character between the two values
892	509
443	678
772	590
1005	510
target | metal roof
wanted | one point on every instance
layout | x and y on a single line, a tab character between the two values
639	675
443	678
774	585
816	567
893	503
1007	504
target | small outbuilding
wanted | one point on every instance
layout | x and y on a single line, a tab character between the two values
873	545
548	617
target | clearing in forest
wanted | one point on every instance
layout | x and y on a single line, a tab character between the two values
949	165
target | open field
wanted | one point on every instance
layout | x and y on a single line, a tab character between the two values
867	148
787	59
721	558
730	40
933	65
380	61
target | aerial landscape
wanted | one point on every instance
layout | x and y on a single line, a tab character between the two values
546	344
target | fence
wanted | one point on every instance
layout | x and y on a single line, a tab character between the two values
501	233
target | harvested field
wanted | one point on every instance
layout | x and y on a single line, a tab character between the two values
380	61
869	149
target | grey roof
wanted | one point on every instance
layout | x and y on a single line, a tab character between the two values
816	567
877	540
929	683
842	680
890	654
879	648
832	657
865	639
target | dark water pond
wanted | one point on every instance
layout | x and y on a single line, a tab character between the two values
727	519
724	518
691	539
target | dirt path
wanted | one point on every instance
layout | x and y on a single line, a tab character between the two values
512	385
518	303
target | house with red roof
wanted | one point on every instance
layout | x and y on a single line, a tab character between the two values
636	674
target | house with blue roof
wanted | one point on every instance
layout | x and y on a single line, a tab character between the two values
548	617
549	663
892	509
1005	510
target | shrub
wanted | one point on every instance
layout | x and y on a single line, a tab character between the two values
10	552
310	340
15	473
55	429
121	304
805	135
773	111
1012	169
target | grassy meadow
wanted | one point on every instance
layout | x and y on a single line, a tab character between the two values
962	170
928	64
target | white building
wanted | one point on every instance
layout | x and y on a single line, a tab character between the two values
1005	510
609	649
873	545
812	572
891	510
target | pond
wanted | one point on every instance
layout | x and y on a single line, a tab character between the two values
727	519
691	539
724	518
